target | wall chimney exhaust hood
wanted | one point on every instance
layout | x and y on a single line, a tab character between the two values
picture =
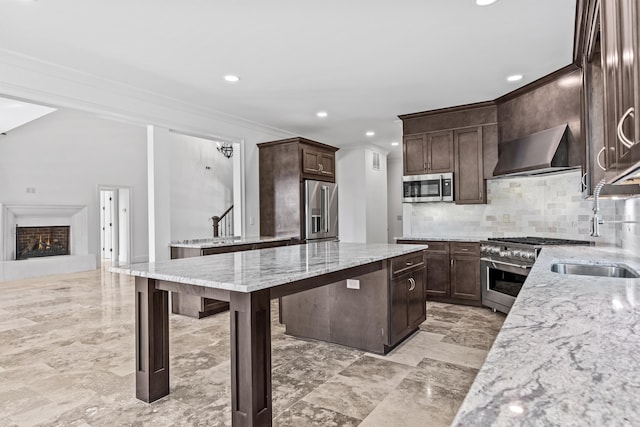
539	153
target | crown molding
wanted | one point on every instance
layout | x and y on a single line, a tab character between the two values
35	80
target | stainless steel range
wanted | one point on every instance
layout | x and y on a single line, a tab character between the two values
505	264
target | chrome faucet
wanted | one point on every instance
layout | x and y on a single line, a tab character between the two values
596	221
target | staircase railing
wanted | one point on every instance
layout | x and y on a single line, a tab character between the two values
227	224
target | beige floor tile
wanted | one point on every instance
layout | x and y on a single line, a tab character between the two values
412	351
67	358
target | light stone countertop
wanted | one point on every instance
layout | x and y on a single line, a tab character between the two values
568	352
250	271
442	238
216	242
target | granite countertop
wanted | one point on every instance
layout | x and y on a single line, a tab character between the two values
215	242
249	271
568	352
442	238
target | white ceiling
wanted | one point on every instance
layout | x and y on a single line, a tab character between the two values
362	61
16	113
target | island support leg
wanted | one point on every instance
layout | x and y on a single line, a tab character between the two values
250	359
152	341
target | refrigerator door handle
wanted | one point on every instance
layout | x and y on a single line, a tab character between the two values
325	201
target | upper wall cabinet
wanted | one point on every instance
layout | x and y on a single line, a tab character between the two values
619	33
318	163
462	140
469	181
428	153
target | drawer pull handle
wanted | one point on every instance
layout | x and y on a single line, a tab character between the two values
465	249
409	263
412	284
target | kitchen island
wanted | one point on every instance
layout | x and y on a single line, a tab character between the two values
248	280
568	352
198	307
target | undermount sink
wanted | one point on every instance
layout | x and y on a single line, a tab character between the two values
597	270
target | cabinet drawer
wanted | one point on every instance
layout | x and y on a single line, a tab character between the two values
437	247
465	248
403	264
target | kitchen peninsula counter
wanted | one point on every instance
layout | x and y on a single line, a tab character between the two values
568	352
248	280
439	239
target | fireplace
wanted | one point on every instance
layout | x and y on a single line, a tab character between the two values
34	242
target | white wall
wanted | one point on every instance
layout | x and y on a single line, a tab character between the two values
376	190
198	193
351	195
65	156
394	197
362	196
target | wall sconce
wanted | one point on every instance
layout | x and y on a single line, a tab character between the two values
226	148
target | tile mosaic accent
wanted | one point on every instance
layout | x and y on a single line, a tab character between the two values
533	206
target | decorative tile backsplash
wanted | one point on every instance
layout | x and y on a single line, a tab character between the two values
549	205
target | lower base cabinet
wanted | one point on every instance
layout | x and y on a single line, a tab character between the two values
453	271
387	307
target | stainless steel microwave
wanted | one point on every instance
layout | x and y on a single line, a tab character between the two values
427	188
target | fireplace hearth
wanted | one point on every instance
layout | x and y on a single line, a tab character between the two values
37	242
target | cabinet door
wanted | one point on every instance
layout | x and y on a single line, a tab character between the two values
465	277
469	180
327	164
320	164
416	307
437	283
440	152
414	154
399	308
619	49
310	161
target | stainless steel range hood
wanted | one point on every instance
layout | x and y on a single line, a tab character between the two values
539	153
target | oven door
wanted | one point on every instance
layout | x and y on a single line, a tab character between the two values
501	282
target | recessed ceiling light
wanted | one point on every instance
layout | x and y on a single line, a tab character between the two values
370	133
321	114
484	2
514	78
395	143
231	78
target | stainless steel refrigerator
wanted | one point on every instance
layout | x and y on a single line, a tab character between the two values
321	210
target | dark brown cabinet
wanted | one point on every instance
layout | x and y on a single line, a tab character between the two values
462	140
408	309
375	315
318	164
452	271
428	153
619	37
469	184
465	271
283	167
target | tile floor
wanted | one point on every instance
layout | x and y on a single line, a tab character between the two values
67	359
